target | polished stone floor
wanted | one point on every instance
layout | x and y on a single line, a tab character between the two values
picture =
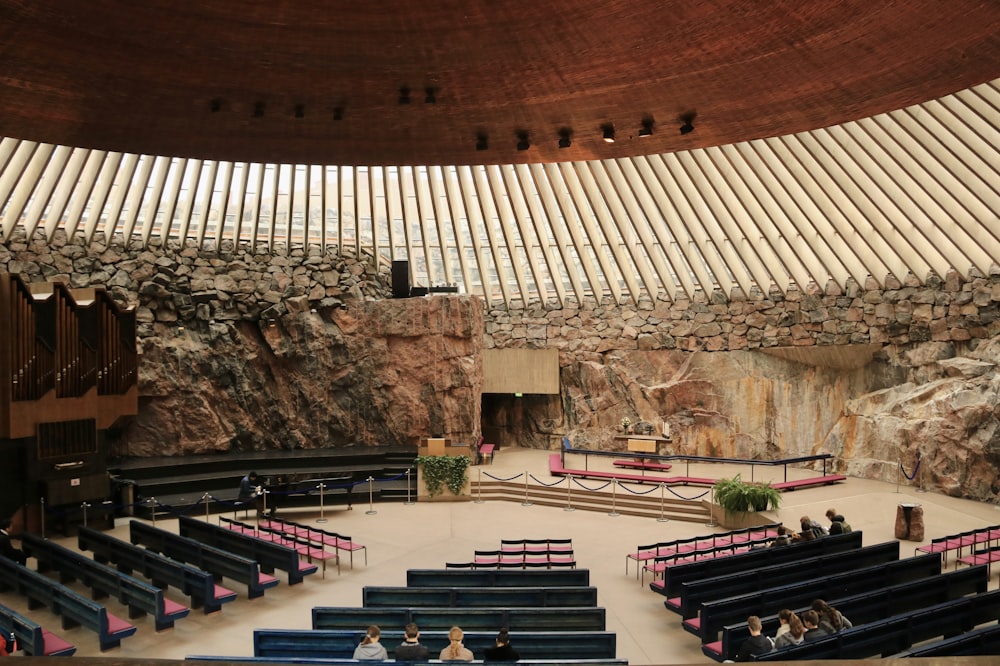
428	534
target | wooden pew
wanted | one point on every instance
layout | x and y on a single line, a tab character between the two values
695	593
897	633
374	596
283	643
718	613
220	563
268	554
497	577
590	618
162	571
670	584
984	641
35	640
432	662
72	608
140	597
868	606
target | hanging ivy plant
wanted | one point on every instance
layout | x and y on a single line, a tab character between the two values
444	471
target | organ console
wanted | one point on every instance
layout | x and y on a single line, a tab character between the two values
68	373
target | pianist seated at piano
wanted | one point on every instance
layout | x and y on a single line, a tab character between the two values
250	490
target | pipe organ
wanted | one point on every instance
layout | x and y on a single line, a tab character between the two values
68	374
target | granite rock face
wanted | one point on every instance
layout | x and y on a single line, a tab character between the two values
248	350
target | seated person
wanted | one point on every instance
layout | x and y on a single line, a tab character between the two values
7	548
838	524
250	490
830	619
813	631
503	651
370	647
455	650
785	537
810	529
411	649
758	643
790	632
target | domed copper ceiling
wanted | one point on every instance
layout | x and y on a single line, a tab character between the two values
327	82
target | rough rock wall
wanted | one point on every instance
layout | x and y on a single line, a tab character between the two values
242	349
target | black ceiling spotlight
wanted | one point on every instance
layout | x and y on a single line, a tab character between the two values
608	133
404	95
482	141
564	137
430	95
300	110
258	110
338	113
215	105
647	127
687	121
522	140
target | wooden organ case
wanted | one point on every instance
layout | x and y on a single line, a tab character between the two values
68	374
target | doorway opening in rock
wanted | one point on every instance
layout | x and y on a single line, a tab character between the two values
532	421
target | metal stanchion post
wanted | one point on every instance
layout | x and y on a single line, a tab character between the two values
43	517
662	518
899	469
263	512
614	499
322	518
711	509
525	502
205	499
479	488
85	506
920	477
409	500
371	490
569	493
152	510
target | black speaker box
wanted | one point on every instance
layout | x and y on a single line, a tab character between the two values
400	279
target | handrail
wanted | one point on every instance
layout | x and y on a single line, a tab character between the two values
689	458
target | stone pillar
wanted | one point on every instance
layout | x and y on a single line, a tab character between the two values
910	522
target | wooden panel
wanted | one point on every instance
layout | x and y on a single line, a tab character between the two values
642	445
521	371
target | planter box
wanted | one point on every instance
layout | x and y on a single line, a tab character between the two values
739	520
424	495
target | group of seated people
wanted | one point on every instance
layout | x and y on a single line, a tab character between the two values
810	529
821	620
412	650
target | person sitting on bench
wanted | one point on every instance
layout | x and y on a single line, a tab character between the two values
503	651
813	631
370	648
838	524
455	651
758	643
411	649
791	630
249	490
830	619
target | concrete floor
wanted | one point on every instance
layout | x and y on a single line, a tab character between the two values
428	534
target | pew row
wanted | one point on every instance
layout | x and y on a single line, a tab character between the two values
32	638
161	570
868	606
497	578
717	614
72	608
267	554
670	584
220	563
978	642
897	633
281	643
430	662
140	597
695	593
465	597
590	618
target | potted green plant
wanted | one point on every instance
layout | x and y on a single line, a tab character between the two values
741	501
438	473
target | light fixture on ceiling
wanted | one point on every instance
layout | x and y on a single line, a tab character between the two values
687	121
404	95
522	140
564	137
258	110
482	141
338	113
647	127
215	105
430	95
300	110
608	133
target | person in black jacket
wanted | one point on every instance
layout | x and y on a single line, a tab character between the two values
503	651
7	549
411	649
758	643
